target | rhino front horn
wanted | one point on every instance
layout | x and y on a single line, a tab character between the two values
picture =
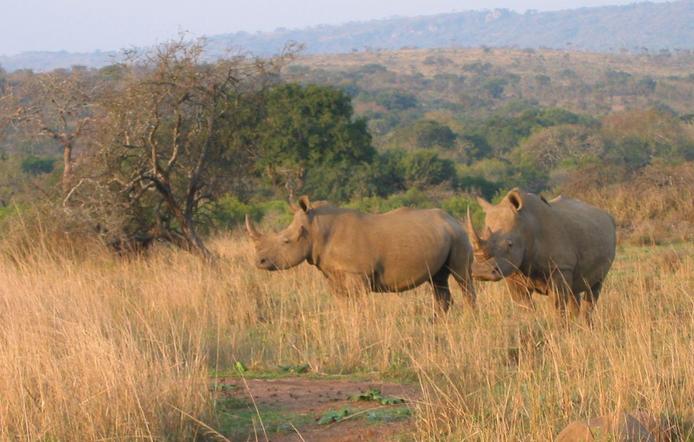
472	233
250	228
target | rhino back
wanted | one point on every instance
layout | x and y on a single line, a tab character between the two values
587	232
400	249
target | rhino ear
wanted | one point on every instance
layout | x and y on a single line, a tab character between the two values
304	203
516	200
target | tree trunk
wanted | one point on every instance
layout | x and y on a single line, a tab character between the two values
67	168
195	243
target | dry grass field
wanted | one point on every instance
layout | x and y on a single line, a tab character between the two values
97	347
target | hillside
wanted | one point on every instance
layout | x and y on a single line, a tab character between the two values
652	26
638	27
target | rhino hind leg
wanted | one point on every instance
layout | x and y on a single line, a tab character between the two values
590	298
566	302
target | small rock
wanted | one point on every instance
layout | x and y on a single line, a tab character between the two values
619	427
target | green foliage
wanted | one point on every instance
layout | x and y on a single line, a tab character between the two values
395	100
295	369
389	414
495	87
228	211
473	147
539	122
240	367
34	165
310	131
412	198
332	416
375	395
238	418
424	168
508	127
429	133
458	206
6	213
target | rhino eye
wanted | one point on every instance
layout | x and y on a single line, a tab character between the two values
509	243
285	240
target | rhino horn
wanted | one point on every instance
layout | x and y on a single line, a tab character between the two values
250	228
472	233
484	204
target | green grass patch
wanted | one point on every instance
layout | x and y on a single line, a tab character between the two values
375	395
375	415
238	419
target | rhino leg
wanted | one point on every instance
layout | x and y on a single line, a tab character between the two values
590	298
521	291
442	292
459	265
467	286
347	285
565	301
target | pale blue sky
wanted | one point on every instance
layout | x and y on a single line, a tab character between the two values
86	25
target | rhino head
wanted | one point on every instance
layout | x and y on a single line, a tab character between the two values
287	248
499	251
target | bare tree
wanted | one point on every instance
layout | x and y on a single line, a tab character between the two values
58	105
177	133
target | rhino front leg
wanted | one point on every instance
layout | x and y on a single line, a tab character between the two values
442	292
564	299
347	285
459	265
521	291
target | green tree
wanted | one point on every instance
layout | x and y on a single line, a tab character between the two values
309	133
430	133
424	168
394	100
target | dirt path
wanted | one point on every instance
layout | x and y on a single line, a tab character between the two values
292	407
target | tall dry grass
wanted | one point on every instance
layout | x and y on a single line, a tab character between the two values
94	347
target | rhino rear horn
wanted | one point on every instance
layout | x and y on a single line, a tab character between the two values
250	228
472	233
484	204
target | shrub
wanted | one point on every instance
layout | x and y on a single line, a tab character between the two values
33	165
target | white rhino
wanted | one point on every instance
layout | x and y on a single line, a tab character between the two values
563	247
389	252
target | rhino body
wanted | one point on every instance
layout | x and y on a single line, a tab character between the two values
562	248
390	252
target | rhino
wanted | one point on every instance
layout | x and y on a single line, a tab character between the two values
562	248
390	252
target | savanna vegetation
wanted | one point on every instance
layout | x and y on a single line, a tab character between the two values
96	346
110	328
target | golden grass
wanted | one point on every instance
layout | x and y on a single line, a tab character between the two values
94	347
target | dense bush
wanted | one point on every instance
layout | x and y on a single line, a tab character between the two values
429	133
35	166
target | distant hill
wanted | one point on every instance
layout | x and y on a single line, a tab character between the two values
635	27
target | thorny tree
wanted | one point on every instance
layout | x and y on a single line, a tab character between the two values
179	133
58	105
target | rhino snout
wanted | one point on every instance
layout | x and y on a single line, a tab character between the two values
485	272
265	264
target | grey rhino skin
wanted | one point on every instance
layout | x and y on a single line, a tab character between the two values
562	248
389	252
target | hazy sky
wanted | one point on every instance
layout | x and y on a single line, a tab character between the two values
86	25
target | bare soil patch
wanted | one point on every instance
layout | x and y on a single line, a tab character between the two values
302	401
